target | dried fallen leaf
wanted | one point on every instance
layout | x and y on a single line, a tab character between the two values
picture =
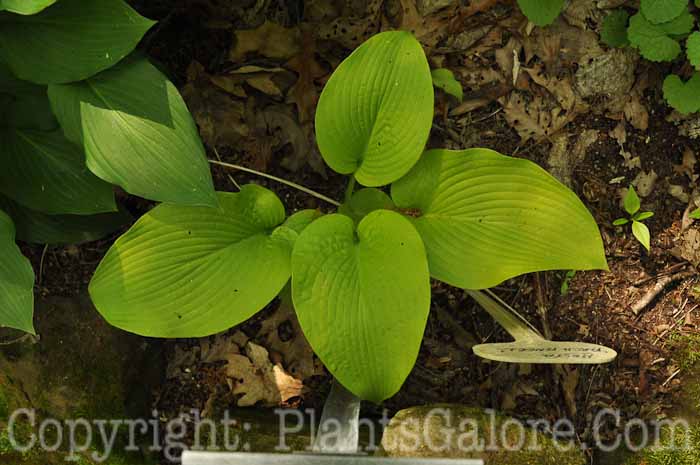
269	40
257	380
220	117
304	93
537	119
282	334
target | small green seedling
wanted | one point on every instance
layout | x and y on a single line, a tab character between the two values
639	229
445	79
564	289
361	274
695	214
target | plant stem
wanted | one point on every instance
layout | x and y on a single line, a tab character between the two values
280	180
350	189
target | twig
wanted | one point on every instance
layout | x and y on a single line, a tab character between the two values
280	180
675	373
41	264
15	341
657	288
230	178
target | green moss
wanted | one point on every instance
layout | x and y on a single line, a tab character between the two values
686	350
4	405
679	447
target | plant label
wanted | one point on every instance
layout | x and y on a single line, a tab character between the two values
548	352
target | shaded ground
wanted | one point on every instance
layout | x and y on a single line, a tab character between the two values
261	116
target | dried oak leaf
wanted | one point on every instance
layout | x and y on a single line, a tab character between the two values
220	117
304	93
560	88
537	119
282	334
257	380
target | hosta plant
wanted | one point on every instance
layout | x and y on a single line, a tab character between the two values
662	30
360	276
80	114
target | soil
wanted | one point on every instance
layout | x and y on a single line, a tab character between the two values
597	307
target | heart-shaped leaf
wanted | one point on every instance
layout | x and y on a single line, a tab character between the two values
137	133
652	40
185	271
683	96
485	218
662	11
45	172
70	41
375	113
40	228
16	281
25	7
362	297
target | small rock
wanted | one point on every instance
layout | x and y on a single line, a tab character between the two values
610	74
454	431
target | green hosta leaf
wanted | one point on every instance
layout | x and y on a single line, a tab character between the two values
185	271
374	114
693	46
662	11
45	172
16	281
364	202
683	96
485	218
10	84
362	298
614	30
541	12
26	105
631	201
641	232
25	7
652	41
70	41
444	79
137	133
40	228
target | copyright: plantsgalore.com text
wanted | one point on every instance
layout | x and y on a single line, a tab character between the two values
438	431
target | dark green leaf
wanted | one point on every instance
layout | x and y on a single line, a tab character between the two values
137	133
614	30
70	41
40	228
45	172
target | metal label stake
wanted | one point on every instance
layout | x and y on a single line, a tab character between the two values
529	345
337	443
